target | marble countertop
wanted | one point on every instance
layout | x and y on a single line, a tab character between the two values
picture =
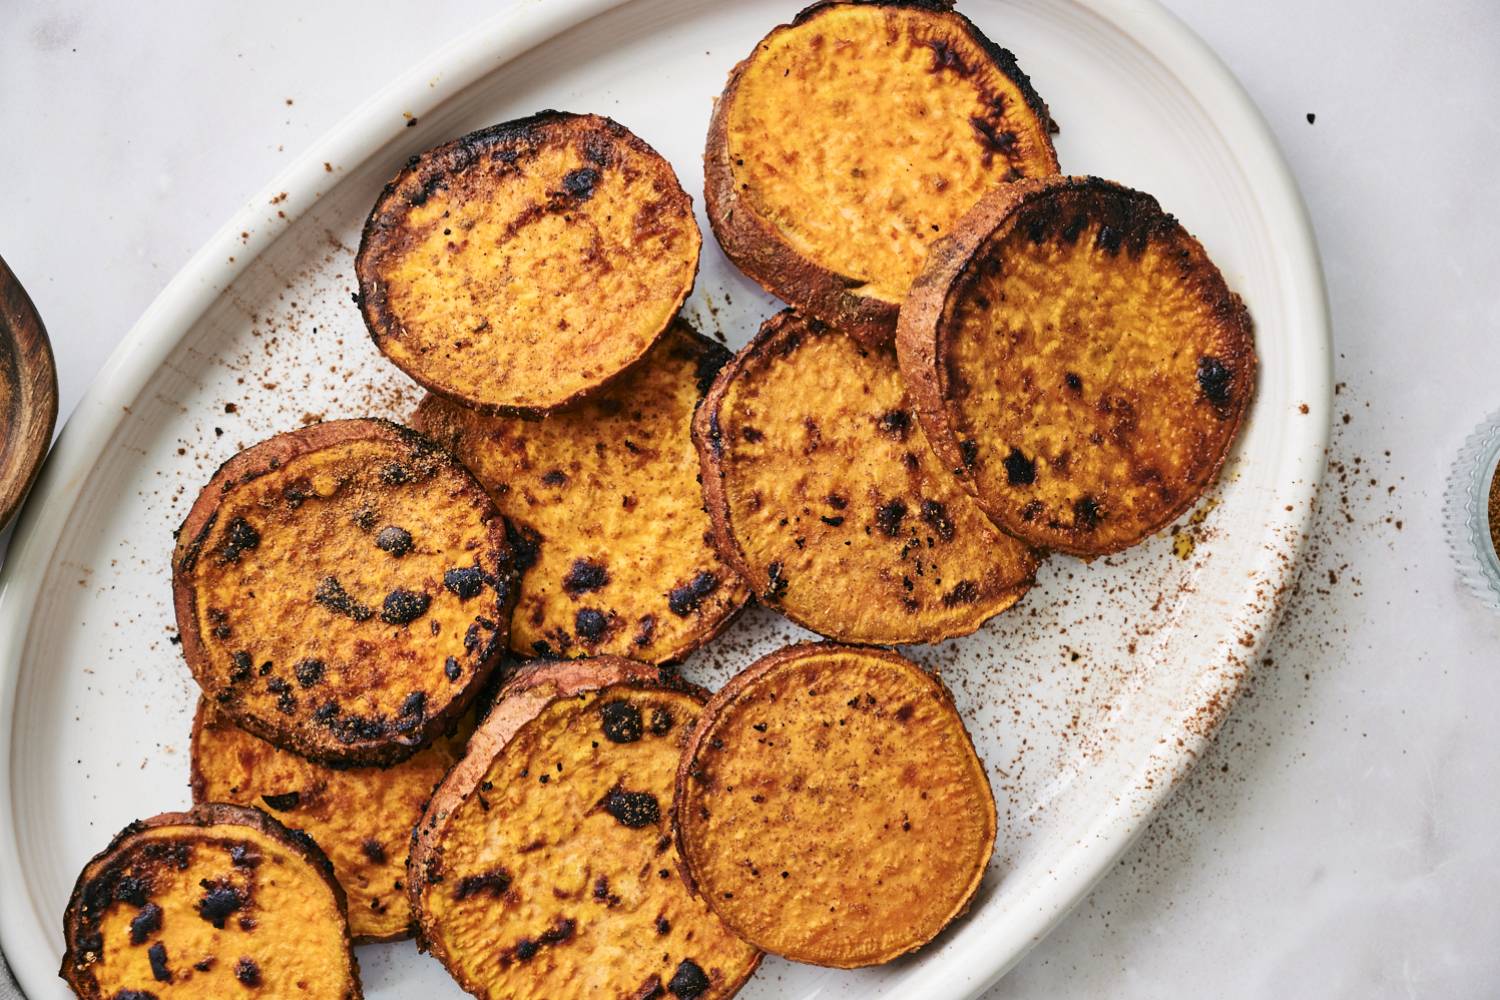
1340	839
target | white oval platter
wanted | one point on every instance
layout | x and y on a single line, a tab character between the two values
1088	701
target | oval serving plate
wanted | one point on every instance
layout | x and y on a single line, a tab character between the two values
1087	701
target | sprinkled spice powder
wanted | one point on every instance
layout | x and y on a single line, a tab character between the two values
1494	511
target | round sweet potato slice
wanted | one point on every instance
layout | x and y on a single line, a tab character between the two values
361	817
853	138
524	265
343	591
605	511
824	493
544	864
831	808
1078	361
216	902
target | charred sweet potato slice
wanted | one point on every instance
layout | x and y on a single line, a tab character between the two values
220	901
361	817
831	808
343	591
544	865
824	493
606	512
853	138
1078	361
524	265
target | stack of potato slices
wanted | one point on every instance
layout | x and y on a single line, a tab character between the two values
439	666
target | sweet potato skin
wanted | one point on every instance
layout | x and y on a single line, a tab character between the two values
603	503
600	891
960	55
442	628
824	495
523	266
801	787
1103	455
114	878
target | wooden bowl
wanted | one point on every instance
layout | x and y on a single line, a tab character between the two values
28	393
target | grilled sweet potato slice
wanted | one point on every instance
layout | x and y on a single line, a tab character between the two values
824	493
524	265
343	591
216	902
361	817
1078	361
854	137
831	808
606	512
544	864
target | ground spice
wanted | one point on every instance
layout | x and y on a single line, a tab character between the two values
1494	512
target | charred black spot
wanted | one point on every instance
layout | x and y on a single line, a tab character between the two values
632	809
331	595
526	949
1074	229
465	582
580	183
157	955
895	423
413	710
944	57
1019	470
554	477
590	624
494	884
284	801
837	502
220	900
244	856
132	890
711	360
715	434
647	630
991	139
1031	510
832	522
275	685
308	672
751	435
1215	379
935	516
663	926
402	607
396	541
967	592
247	972
584	576
1073	382
364	519
239	536
621	721
134	995
452	669
1086	512
889	516
686	599
968	450
145	923
372	850
525	545
661	721
776	581
395	474
297	492
1108	239
689	981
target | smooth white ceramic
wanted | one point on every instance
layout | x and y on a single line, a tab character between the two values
1088	701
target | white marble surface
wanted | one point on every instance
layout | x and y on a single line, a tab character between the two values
1341	840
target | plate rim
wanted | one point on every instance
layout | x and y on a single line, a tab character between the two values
444	74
